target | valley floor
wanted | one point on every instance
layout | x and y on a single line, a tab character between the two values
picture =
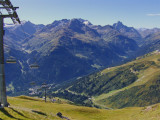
27	108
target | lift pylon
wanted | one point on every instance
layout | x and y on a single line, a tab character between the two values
7	5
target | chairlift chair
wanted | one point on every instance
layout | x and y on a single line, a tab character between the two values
34	66
11	60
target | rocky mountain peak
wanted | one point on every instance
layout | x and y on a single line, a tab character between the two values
86	22
76	25
59	22
118	25
130	32
76	22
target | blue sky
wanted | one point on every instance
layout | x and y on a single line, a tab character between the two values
136	13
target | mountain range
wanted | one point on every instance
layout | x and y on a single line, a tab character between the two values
70	49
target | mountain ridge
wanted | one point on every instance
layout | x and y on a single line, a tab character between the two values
67	49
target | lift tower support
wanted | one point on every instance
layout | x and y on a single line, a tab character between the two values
7	5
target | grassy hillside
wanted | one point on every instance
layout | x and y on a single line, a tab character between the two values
136	83
144	91
26	108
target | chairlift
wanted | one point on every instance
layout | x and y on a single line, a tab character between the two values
11	60
34	66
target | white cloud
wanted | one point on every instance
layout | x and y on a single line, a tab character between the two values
153	14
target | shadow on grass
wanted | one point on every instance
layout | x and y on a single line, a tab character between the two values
18	112
28	98
38	112
6	113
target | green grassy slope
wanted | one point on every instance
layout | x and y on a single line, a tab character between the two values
144	91
26	108
133	84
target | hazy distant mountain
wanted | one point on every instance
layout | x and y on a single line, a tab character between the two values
145	32
65	50
107	32
29	28
130	32
151	43
16	34
68	49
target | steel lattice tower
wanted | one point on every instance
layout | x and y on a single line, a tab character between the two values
7	5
